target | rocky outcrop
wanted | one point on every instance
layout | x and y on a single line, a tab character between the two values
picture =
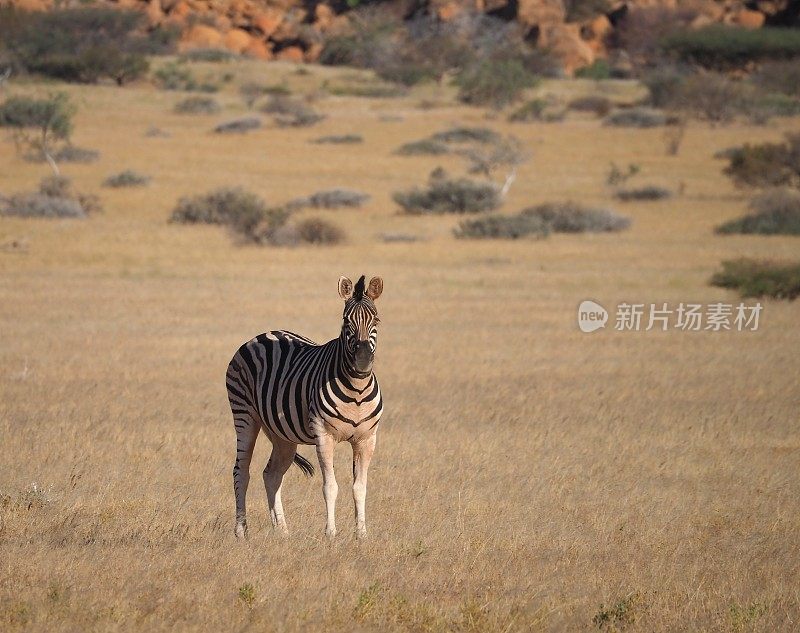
295	30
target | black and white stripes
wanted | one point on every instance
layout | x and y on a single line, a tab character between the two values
299	392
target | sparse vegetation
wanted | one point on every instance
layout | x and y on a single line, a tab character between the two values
494	83
773	212
447	195
253	91
339	139
127	178
636	117
756	278
318	231
289	111
766	164
424	147
213	55
779	77
174	76
620	615
503	227
247	594
467	135
54	199
647	192
239	126
596	104
617	176
569	217
332	199
543	110
197	105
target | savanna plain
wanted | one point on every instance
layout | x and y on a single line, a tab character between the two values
527	477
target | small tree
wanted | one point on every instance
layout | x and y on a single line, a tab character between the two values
39	122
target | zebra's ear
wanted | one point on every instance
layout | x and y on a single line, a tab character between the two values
345	288
375	288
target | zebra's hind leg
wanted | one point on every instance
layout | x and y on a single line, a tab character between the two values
246	435
279	461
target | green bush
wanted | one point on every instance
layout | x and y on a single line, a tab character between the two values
467	135
197	105
289	111
318	231
174	76
252	91
494	83
444	195
84	44
213	55
774	212
569	217
510	227
754	278
127	178
51	115
538	110
766	164
598	70
648	192
719	46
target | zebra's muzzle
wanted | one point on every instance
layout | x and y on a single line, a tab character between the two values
364	356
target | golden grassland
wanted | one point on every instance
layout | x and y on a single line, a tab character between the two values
526	473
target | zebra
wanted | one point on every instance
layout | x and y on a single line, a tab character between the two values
299	392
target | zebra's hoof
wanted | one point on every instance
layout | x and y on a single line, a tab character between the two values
361	533
331	534
241	530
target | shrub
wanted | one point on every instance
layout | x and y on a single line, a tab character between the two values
230	206
253	91
366	90
450	196
598	70
596	104
424	147
495	83
339	139
648	192
766	164
173	76
754	278
290	112
636	117
569	217
127	178
213	55
618	177
54	199
502	227
537	110
774	104
467	135
197	105
663	83
319	231
723	47
712	97
83	44
332	199
239	126
642	29
779	76
70	153
774	212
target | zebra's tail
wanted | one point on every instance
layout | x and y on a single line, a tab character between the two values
303	464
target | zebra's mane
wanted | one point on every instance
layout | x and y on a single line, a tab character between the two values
358	293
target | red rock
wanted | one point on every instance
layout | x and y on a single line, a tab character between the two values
540	12
202	36
749	19
565	43
313	52
258	49
290	54
268	21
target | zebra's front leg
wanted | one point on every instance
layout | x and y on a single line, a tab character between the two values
325	446
362	454
279	461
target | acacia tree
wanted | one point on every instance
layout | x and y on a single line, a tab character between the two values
39	123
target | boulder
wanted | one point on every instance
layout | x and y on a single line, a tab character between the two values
236	40
539	13
258	49
290	54
749	19
323	17
268	21
313	53
155	15
594	33
201	36
564	42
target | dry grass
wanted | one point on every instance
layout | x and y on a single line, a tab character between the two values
525	474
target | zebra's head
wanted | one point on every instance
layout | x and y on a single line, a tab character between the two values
360	322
